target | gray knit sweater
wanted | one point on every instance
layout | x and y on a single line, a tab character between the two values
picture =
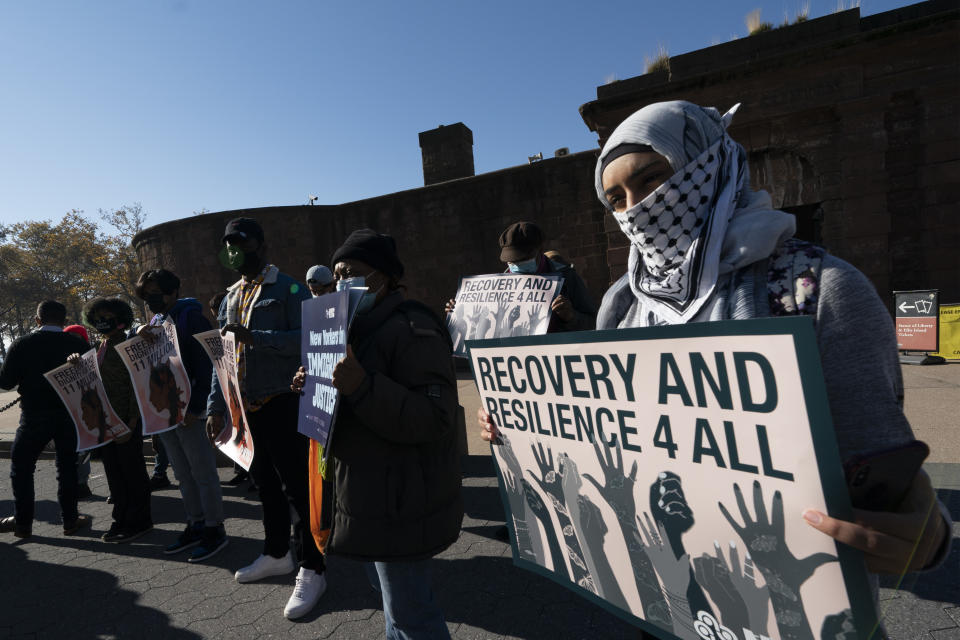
857	343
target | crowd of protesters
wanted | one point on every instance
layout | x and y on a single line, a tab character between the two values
692	259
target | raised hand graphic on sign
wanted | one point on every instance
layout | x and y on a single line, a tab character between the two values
528	542
674	573
669	507
740	602
551	482
594	533
782	571
542	513
617	490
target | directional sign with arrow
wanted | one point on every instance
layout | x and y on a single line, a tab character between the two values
916	315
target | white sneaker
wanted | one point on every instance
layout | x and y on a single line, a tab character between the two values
310	586
264	567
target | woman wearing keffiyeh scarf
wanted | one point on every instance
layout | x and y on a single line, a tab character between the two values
695	223
705	246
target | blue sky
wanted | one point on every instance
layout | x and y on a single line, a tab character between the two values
183	105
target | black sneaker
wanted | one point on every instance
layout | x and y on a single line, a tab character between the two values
131	533
191	537
112	533
237	478
159	482
214	539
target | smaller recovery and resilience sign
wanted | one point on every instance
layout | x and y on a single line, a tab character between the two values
916	317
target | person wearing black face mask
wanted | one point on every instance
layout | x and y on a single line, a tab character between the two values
123	461
262	311
191	454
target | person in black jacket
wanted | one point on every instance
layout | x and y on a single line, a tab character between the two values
191	454
42	418
521	249
393	464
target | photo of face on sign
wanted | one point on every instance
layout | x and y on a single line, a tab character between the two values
236	430
167	395
93	417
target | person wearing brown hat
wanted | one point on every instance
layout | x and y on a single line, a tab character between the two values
392	494
262	310
521	248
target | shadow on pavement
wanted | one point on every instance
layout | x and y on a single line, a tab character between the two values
493	597
52	601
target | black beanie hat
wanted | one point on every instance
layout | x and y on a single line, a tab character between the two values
375	249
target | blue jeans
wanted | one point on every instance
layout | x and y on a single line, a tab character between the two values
409	607
195	466
161	461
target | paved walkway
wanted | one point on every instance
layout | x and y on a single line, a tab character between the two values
57	587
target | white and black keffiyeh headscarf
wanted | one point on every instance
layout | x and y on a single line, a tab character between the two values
680	233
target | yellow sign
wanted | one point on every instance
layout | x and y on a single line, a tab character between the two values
949	332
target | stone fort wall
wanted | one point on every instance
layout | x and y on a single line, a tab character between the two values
443	231
852	124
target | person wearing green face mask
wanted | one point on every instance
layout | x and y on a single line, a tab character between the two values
521	249
262	311
393	464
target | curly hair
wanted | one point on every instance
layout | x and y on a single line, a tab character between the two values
116	306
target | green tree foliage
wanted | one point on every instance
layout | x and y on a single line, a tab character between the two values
71	261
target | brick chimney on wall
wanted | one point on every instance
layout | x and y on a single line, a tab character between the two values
447	153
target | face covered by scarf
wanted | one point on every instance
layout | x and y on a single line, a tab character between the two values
681	231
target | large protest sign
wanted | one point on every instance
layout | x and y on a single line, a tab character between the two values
662	473
501	305
160	380
235	440
325	324
325	321
81	390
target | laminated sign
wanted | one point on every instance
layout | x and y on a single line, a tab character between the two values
160	380
662	473
234	440
81	390
500	306
325	325
949	331
916	319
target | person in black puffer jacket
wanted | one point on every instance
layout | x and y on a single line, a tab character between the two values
392	498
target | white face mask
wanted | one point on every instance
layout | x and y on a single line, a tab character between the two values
525	266
666	224
347	283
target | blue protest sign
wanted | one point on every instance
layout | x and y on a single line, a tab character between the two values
325	322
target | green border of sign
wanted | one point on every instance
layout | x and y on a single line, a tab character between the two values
832	479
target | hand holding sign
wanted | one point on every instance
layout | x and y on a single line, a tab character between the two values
349	374
892	542
562	307
299	381
214	427
488	430
240	333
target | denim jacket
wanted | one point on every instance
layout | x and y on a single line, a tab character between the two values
275	323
